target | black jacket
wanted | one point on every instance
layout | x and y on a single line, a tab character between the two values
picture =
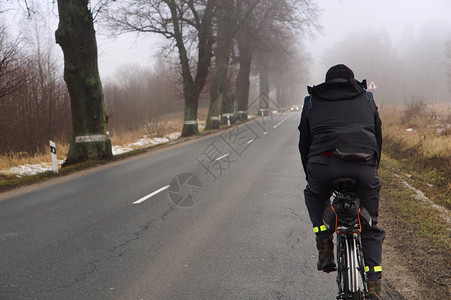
339	115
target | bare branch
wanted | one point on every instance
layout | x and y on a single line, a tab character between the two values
12	72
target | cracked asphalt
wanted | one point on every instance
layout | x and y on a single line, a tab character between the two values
247	237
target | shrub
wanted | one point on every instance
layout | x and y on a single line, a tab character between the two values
414	109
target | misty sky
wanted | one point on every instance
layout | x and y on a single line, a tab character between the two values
397	19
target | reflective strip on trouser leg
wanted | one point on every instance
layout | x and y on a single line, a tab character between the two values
320	228
376	269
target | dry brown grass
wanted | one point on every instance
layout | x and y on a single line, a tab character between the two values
419	138
158	127
426	127
13	159
417	248
416	147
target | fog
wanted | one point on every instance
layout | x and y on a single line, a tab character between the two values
401	46
416	70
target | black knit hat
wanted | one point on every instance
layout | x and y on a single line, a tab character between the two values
339	71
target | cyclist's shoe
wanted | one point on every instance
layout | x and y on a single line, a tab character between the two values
326	255
375	290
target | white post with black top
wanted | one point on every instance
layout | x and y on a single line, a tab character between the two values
54	159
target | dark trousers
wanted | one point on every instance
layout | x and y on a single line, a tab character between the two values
321	171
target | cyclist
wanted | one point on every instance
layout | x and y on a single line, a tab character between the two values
340	136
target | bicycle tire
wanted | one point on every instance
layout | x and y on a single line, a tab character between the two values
351	252
350	268
361	266
341	266
356	268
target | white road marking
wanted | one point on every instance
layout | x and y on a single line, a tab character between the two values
250	141
275	126
221	157
266	132
151	194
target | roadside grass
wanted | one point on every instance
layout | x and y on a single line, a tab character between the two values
421	145
158	127
427	222
417	232
13	159
153	129
9	181
427	128
417	160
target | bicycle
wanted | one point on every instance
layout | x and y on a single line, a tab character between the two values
347	215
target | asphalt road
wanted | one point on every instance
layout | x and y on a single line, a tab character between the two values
220	217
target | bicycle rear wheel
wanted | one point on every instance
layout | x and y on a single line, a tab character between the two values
356	267
350	276
342	267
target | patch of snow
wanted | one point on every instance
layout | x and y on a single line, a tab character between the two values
174	135
120	149
201	125
419	195
145	141
32	169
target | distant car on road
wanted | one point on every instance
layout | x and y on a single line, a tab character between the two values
295	108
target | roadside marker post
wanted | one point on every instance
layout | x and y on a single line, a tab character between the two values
228	116
53	154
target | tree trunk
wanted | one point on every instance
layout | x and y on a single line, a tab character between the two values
220	85
264	89
279	93
227	108
193	87
242	80
190	125
76	36
283	93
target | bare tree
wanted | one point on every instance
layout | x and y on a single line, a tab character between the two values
182	22
12	70
224	42
289	74
138	96
280	63
38	108
229	23
76	36
271	24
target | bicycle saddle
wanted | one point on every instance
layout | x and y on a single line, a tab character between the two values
342	185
